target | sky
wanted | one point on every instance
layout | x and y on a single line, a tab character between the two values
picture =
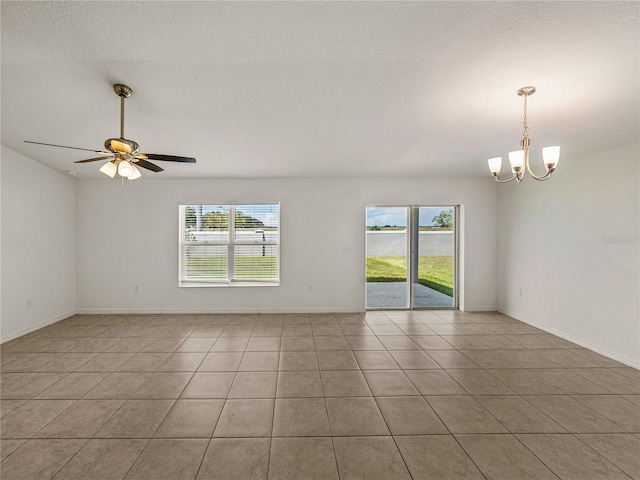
381	216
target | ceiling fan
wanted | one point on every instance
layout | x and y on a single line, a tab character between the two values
123	157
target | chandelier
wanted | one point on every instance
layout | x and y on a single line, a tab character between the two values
519	159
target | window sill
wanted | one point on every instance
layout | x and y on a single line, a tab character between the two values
228	284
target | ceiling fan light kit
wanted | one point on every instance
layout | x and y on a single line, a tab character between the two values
109	169
519	159
123	154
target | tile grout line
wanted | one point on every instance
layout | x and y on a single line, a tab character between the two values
273	412
326	409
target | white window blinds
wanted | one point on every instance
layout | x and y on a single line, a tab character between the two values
229	244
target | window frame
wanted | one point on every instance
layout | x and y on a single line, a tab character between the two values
231	243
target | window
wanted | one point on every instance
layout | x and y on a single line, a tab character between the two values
222	245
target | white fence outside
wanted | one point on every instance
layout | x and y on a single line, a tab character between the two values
379	243
255	244
394	243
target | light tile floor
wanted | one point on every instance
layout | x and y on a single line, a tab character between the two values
382	395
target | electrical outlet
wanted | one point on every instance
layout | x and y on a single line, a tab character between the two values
346	249
310	288
29	304
136	289
519	293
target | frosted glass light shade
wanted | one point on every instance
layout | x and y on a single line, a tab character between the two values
495	164
551	156
109	169
124	169
135	173
516	159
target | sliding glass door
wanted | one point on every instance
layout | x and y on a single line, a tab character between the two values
387	257
434	258
411	257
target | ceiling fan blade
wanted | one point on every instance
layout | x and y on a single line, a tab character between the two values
97	159
166	158
64	146
148	165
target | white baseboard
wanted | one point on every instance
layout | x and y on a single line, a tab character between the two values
568	337
472	308
32	328
183	311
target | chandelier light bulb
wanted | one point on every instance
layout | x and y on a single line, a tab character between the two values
495	164
551	157
516	159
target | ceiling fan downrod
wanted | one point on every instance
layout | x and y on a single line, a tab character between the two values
123	92
122	144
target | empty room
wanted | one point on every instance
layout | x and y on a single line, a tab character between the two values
320	240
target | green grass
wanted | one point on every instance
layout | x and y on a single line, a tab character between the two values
215	267
422	229
265	268
386	269
433	272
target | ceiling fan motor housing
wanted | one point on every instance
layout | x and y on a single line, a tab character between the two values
122	145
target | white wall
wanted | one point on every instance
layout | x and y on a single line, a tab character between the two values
571	245
38	245
130	237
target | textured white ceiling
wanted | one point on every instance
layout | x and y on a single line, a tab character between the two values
279	89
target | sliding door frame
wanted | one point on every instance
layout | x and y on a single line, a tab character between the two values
413	232
412	262
407	255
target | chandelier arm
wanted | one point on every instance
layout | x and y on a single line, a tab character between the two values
514	177
540	178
